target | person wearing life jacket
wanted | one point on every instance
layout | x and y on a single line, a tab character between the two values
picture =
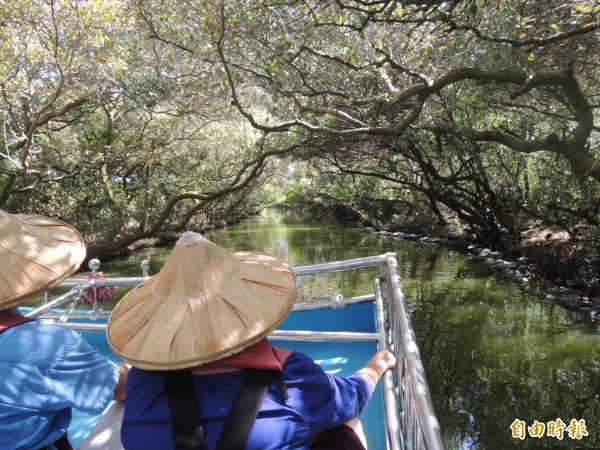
45	370
204	375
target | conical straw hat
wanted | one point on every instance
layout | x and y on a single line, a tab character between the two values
36	254
204	305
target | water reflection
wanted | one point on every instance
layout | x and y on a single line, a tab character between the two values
301	240
492	352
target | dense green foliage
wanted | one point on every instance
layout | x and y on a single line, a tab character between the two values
137	118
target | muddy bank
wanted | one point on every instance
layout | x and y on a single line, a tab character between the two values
520	270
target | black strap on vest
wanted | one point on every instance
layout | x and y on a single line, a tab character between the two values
185	414
244	409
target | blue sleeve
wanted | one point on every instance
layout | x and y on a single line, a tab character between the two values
324	400
81	378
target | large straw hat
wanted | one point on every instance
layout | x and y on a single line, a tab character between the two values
36	254
204	305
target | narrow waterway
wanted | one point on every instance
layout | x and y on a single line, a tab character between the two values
495	354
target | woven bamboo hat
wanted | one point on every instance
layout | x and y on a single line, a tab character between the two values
36	254
204	305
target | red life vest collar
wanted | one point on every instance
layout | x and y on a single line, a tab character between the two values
10	319
258	356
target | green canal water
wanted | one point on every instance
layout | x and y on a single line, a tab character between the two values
495	355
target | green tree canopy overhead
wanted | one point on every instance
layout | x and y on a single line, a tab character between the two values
154	115
431	95
515	73
124	136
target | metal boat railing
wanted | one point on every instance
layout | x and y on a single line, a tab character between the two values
418	423
411	423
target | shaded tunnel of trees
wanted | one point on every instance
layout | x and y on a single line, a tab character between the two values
136	119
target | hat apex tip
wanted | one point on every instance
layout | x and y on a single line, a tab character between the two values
189	238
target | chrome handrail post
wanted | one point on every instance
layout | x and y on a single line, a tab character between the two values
94	265
145	265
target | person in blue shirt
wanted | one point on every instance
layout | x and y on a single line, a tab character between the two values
45	370
203	321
